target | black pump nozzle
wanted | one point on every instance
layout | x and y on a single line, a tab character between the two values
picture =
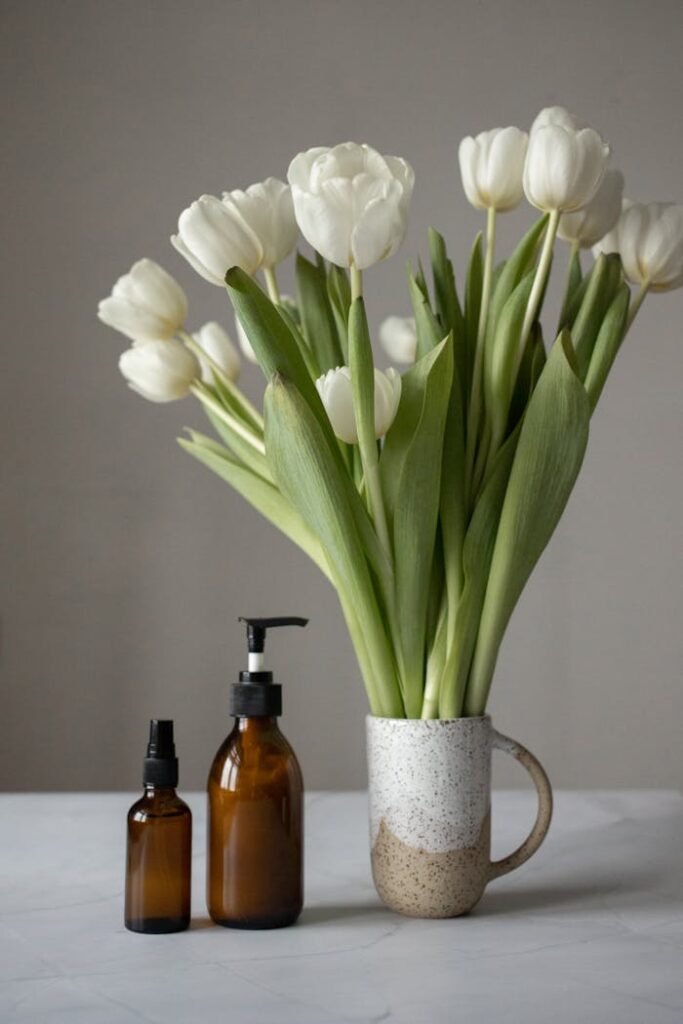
256	693
256	629
161	764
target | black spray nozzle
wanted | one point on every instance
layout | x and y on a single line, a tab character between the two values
256	629
161	764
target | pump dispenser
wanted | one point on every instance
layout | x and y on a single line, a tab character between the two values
159	848
255	803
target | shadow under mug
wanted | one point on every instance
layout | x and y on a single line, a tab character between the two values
430	812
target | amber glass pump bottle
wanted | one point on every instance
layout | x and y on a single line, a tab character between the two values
159	851
255	805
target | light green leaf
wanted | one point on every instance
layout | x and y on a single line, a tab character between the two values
415	517
274	341
429	332
473	286
263	496
605	279
551	447
308	475
316	314
607	345
502	360
476	557
339	291
448	307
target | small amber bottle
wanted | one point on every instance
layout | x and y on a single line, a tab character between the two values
255	805
159	849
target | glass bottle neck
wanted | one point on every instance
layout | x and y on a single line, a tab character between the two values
256	723
152	790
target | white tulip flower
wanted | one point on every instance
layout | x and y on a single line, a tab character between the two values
146	304
160	371
268	209
214	236
560	117
219	348
587	226
649	239
351	203
565	163
491	167
398	338
335	390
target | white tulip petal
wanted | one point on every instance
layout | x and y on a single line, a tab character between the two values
268	210
145	304
326	220
161	371
335	192
560	117
379	231
220	349
217	237
398	338
588	225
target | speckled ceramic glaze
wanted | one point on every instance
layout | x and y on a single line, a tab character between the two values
430	799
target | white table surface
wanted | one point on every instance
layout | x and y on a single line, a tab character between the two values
590	930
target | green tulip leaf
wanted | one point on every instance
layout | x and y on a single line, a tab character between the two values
415	510
476	559
548	457
607	344
264	497
308	475
317	315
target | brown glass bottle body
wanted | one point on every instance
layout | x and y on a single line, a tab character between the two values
255	829
158	862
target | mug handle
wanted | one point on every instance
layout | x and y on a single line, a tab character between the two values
545	805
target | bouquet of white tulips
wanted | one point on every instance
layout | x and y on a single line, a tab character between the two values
426	498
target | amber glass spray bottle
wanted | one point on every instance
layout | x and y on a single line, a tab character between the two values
255	805
159	852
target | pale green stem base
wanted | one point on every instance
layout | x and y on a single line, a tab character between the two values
271	284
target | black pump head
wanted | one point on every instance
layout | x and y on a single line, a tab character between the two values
161	764
256	694
256	629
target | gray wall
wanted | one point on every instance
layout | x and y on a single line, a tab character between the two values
124	564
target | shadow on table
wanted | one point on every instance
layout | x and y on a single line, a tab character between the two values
593	891
336	912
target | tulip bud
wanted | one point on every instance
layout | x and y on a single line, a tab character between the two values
214	236
565	163
216	343
268	209
160	371
649	239
491	167
351	203
335	390
146	304
592	223
398	338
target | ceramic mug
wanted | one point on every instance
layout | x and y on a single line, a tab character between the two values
430	812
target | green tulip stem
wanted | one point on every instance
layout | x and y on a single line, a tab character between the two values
637	303
356	282
207	399
271	285
542	271
250	411
476	390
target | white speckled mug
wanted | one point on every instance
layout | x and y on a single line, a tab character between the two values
430	812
